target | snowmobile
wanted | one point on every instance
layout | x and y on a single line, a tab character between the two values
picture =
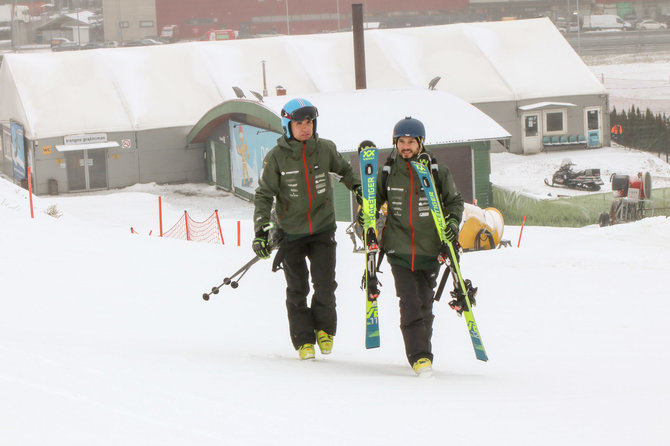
587	179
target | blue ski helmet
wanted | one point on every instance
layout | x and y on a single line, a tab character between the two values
298	110
409	127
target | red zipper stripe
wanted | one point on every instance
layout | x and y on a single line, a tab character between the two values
411	207
309	189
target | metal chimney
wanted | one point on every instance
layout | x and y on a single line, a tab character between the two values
359	45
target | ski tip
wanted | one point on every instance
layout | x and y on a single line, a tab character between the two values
366	144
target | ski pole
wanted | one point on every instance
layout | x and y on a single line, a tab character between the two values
443	282
231	280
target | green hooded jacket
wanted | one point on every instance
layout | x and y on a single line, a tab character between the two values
296	174
409	237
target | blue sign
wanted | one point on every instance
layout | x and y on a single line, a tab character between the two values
248	147
594	138
18	152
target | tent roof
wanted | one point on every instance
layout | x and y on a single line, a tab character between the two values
139	88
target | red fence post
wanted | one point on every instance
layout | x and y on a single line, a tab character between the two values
160	215
521	232
30	193
186	223
218	222
238	233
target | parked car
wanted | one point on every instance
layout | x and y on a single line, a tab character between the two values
651	24
143	42
91	46
67	46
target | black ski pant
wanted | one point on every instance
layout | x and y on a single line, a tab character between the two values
415	290
320	314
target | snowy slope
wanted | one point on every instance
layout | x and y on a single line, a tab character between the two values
105	340
526	174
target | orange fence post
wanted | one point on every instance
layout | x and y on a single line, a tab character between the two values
521	232
30	193
218	222
238	233
188	237
160	215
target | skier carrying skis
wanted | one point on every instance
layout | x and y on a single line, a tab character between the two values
410	238
296	173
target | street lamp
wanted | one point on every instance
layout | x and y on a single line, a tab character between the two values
338	15
579	29
288	27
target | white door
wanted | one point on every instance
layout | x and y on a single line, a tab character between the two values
531	135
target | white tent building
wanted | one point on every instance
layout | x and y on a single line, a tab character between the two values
523	74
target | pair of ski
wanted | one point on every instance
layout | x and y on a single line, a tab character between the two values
368	161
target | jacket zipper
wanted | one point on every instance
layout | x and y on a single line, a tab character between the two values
411	208
309	189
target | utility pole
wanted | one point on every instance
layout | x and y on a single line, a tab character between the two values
288	26
11	22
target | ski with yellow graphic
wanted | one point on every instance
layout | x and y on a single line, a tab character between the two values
466	290
368	160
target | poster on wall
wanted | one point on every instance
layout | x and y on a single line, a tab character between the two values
248	147
18	153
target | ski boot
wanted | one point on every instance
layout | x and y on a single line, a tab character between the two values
423	367
325	342
306	351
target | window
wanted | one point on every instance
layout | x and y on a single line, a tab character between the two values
146	23
531	125
593	119
124	25
554	122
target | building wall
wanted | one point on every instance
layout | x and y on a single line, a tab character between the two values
508	116
164	157
159	156
303	16
127	20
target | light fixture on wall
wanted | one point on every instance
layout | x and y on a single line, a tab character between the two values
433	82
258	95
238	92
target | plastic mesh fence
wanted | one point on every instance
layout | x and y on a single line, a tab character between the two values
199	231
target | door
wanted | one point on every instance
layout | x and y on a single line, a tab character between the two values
224	175
593	127
86	169
76	170
96	163
531	139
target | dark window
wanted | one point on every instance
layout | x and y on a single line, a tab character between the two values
592	118
554	122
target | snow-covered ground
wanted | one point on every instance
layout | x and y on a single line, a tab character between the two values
641	79
105	339
526	174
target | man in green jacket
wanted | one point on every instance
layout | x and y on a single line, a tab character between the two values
410	239
296	178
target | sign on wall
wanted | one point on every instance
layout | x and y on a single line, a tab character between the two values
248	147
89	138
18	152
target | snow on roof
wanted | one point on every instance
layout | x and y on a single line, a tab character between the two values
348	118
545	104
130	89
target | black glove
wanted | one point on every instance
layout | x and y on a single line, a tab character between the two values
451	230
260	245
358	193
